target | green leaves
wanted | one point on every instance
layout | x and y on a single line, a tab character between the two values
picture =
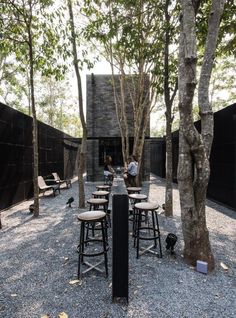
35	19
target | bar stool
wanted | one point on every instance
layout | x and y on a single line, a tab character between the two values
99	204
96	203
87	217
101	194
152	227
135	198
131	190
103	187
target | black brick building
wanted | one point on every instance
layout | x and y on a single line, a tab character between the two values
103	129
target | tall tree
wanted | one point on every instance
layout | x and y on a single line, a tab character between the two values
170	90
82	150
195	147
27	33
126	31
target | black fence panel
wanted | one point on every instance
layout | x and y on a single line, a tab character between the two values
222	183
16	155
157	156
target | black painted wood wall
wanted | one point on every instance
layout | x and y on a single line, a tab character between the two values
56	153
222	183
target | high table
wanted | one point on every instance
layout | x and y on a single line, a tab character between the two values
120	239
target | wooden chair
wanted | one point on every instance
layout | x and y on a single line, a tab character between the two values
43	187
59	181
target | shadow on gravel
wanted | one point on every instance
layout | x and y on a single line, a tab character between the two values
22	219
222	209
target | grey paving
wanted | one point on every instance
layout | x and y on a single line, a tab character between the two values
38	260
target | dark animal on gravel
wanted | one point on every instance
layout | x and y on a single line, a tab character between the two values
31	208
70	200
170	242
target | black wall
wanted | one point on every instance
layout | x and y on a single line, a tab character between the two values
16	155
222	183
157	155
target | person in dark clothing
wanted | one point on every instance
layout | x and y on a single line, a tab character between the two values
108	170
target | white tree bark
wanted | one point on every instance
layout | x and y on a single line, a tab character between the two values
82	150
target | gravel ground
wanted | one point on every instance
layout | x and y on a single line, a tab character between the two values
39	260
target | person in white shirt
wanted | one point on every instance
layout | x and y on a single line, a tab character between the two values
132	171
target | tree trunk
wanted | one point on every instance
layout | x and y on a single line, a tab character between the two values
137	91
119	98
28	92
35	123
121	113
194	151
139	138
169	173
83	149
168	103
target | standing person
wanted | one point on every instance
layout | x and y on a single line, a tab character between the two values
132	171
108	170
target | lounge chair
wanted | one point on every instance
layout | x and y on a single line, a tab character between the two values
43	187
59	181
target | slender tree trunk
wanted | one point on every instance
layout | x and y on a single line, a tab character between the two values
82	152
169	173
121	112
139	137
28	91
169	190
141	105
194	148
123	84
119	98
35	125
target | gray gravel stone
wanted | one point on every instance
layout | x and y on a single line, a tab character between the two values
38	260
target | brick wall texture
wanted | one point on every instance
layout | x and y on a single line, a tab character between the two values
102	123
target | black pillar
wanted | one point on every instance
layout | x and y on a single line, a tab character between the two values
120	246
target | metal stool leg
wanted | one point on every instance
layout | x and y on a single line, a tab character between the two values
159	234
80	247
104	246
154	230
136	216
138	230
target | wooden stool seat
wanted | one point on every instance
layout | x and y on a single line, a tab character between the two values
147	206
97	201
100	193
103	187
133	190
95	215
137	196
100	203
